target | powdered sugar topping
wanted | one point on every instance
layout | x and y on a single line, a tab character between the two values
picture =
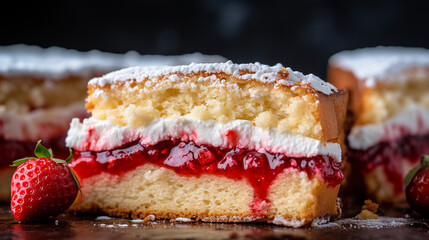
254	71
280	220
373	65
55	63
380	223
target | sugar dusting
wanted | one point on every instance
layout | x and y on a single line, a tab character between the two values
280	220
181	219
55	63
375	65
230	219
254	71
381	222
103	218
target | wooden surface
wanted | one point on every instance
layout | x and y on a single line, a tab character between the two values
396	223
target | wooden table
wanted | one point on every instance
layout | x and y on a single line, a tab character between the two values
397	223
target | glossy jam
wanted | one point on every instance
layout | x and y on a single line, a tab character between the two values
12	150
389	155
189	159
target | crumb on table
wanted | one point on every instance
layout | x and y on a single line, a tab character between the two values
369	211
370	206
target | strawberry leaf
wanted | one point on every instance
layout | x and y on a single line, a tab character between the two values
411	175
51	152
76	180
424	163
20	161
70	156
40	151
57	160
425	160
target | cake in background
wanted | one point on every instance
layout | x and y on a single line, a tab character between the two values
41	90
219	142
388	111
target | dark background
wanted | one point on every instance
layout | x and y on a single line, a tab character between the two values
298	34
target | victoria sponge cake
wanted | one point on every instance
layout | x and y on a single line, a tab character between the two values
219	142
389	108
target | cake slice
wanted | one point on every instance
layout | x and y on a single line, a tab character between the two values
41	90
389	108
217	142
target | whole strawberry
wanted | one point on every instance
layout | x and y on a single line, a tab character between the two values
42	187
417	187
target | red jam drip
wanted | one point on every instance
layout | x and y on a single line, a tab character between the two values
12	150
389	155
190	159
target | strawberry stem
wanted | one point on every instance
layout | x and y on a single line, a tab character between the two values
41	152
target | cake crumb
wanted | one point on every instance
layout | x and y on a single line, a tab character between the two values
369	211
149	218
370	206
366	214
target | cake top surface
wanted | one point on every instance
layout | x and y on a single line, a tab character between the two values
55	62
373	65
276	74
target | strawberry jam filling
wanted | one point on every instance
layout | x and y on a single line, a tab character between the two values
12	150
259	168
389	155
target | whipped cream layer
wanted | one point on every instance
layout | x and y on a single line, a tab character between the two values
97	135
413	120
42	123
377	64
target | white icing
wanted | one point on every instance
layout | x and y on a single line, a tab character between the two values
412	120
320	220
280	220
254	71
372	65
380	223
39	124
103	218
230	219
181	219
137	220
56	63
108	136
